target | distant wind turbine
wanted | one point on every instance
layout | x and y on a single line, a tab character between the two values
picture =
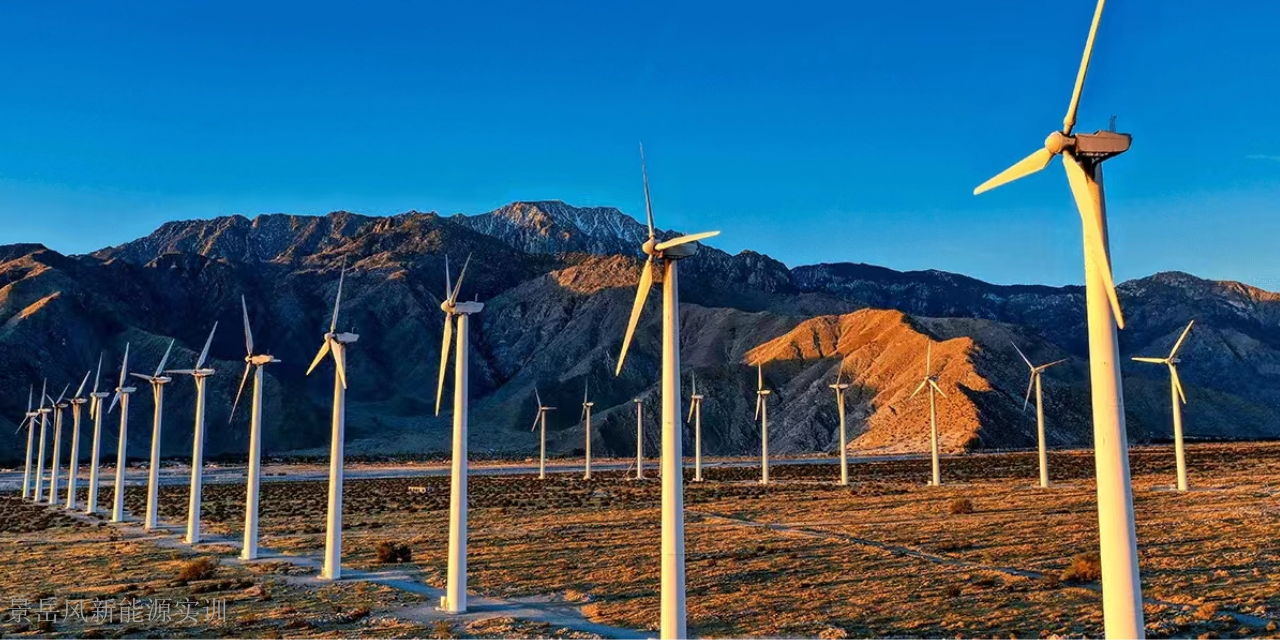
95	454
256	362
840	387
672	620
1082	156
73	466
762	414
44	423
1034	383
541	419
931	381
586	421
695	414
455	598
201	376
335	344
28	421
1177	394
158	380
59	406
121	398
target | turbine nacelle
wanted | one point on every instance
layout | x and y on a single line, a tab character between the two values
260	360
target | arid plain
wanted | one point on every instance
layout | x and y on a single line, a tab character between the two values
986	555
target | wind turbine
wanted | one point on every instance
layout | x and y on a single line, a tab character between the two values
200	375
256	362
28	421
455	598
762	414
1034	383
586	417
158	381
1083	155
541	419
1176	395
95	411
73	466
121	397
695	414
58	406
44	423
336	344
639	437
840	387
670	252
931	381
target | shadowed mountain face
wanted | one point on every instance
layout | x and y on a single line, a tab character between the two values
558	282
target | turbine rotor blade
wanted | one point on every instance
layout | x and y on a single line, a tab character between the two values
98	376
1024	356
337	300
1030	385
922	385
759	401
1093	238
114	401
1151	360
80	389
691	406
675	242
648	204
340	361
1052	364
243	381
1177	382
759	377
324	350
937	388
642	294
165	359
248	333
457	287
537	417
124	365
1178	345
1069	122
1023	168
448	282
204	353
446	342
63	395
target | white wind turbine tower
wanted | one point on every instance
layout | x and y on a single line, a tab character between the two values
44	423
201	376
586	418
670	252
158	381
256	362
122	397
58	406
639	437
840	387
73	465
1034	383
1177	394
931	381
762	414
29	422
336	344
95	411
455	598
695	414
1083	155
541	419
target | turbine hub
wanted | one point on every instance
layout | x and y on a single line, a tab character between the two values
650	247
1056	142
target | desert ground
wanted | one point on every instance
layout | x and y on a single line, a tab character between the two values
988	554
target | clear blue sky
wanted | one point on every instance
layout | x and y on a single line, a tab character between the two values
834	131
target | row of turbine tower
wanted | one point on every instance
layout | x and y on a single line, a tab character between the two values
1082	156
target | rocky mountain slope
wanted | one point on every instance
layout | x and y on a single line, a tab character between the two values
558	283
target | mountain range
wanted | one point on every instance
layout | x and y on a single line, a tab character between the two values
558	282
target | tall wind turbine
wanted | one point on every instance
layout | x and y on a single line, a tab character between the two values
28	421
95	411
762	415
73	466
1034	383
336	344
455	598
256	362
840	387
158	381
639	437
586	418
44	423
931	381
695	414
201	376
541	419
1083	155
121	397
1176	395
670	252
59	406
